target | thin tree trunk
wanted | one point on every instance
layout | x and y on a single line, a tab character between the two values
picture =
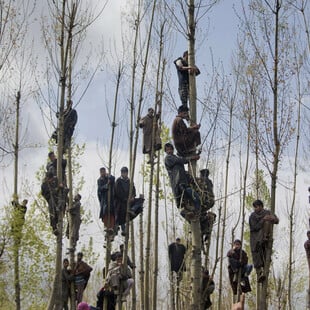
292	211
195	224
276	154
158	103
113	125
16	201
56	298
230	126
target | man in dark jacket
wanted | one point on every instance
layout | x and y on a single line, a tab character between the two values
179	178
183	70
176	251
238	259
105	194
121	196
261	221
52	166
70	120
75	214
185	139
49	190
207	287
66	278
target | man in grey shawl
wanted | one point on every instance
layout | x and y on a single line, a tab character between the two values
179	178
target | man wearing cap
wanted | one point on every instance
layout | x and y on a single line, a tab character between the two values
238	259
185	139
146	123
81	275
179	178
183	70
261	221
121	196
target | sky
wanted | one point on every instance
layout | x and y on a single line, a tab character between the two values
216	42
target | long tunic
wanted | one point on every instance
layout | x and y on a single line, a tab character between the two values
259	236
185	138
177	173
121	195
103	195
176	256
146	123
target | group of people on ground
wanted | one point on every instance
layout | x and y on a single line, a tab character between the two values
115	198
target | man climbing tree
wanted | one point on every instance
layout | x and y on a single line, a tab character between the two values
70	120
105	193
184	70
75	213
19	212
185	139
52	166
146	123
51	189
238	261
179	180
177	251
261	221
207	288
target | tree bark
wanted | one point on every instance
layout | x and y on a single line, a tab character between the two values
195	224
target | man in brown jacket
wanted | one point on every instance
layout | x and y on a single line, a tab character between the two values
81	275
186	139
